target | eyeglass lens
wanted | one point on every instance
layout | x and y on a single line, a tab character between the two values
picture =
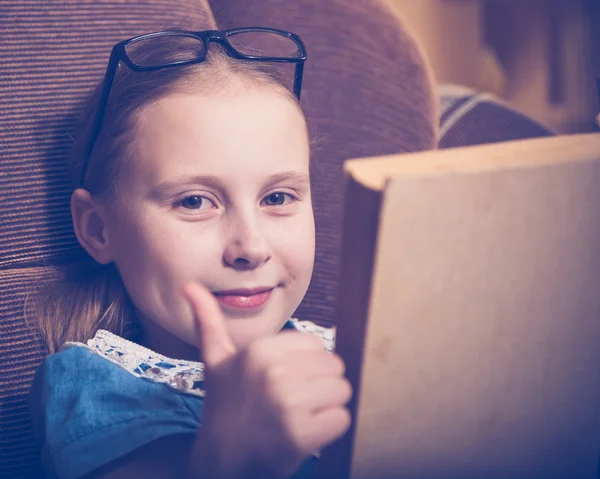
167	49
164	49
264	44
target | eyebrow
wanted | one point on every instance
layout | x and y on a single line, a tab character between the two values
217	183
292	176
211	181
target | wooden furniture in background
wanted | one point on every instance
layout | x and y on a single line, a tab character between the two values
541	56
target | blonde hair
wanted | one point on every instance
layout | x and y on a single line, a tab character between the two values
90	296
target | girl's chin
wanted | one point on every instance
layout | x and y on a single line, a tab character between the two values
244	331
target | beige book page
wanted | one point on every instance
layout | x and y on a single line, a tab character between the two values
481	349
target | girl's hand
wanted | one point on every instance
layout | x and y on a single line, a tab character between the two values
269	406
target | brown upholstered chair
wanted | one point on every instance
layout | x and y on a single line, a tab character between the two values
367	92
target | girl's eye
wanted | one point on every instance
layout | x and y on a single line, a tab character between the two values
278	199
194	202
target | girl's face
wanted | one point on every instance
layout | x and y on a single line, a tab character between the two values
217	192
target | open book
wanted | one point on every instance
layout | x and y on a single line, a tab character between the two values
469	313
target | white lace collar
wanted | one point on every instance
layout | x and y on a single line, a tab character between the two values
184	376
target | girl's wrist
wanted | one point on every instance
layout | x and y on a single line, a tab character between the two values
207	460
202	461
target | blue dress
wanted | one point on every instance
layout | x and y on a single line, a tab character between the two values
93	403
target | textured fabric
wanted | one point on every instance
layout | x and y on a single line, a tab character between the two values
366	92
89	412
19	356
469	117
185	376
52	53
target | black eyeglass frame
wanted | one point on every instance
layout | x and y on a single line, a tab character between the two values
119	54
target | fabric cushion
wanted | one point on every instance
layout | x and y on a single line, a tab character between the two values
469	117
20	354
52	53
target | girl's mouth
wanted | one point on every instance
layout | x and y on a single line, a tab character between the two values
244	299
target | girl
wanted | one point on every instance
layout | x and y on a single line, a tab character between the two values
194	202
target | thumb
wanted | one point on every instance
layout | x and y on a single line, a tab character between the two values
215	343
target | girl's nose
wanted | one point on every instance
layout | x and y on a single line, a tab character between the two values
247	249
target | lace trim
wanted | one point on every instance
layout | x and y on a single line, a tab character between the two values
184	376
327	335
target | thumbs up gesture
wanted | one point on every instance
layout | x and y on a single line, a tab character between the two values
270	405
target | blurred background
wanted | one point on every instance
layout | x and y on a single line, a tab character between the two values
540	56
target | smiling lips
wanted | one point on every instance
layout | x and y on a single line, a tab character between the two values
244	298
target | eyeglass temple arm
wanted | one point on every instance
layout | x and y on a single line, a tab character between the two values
101	107
298	79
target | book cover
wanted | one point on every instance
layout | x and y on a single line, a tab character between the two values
469	313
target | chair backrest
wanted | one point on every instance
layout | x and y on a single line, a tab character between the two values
51	55
367	92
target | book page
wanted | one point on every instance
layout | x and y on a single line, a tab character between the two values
479	350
